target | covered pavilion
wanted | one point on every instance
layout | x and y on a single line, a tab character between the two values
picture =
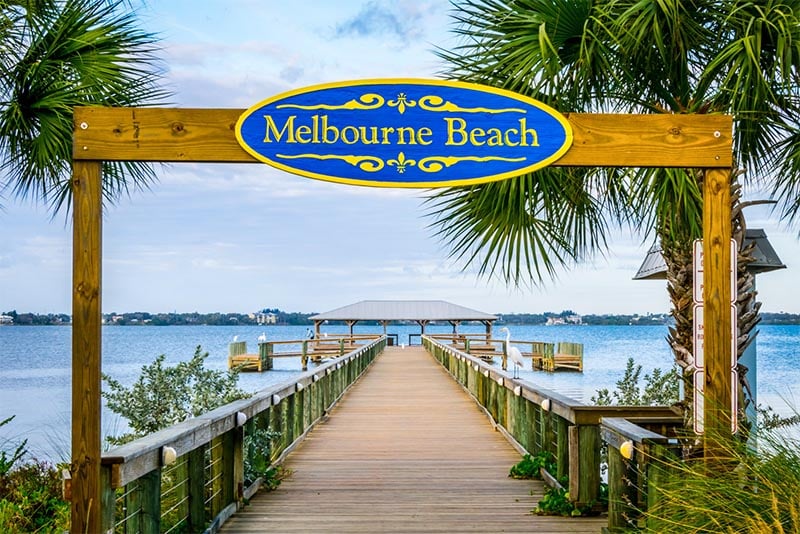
420	311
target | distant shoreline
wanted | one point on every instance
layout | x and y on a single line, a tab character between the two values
281	318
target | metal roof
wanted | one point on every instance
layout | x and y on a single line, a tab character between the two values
766	259
404	310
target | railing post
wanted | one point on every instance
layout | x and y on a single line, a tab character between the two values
298	426
108	504
584	463
150	487
195	462
619	494
229	466
657	470
546	431
562	448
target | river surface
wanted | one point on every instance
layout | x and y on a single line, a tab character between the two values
35	366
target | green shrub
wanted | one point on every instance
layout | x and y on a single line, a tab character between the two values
163	396
529	466
30	499
660	388
257	453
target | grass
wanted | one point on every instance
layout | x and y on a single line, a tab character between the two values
748	491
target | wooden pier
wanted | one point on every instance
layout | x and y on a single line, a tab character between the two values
406	450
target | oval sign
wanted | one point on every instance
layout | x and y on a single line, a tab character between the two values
404	133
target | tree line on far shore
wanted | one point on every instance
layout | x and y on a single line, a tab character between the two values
298	318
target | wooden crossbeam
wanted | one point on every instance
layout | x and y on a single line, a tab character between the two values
207	135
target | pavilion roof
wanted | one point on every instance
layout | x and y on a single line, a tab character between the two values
404	310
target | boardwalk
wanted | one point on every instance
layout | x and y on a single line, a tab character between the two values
407	450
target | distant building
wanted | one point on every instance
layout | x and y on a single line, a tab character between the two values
569	319
6	319
266	318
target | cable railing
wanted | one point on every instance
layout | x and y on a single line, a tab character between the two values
191	476
537	420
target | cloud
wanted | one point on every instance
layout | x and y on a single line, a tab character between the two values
377	19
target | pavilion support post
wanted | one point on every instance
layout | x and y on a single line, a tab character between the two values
455	326
86	345
717	411
317	325
422	324
351	324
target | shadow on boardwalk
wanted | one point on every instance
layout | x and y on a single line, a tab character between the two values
406	450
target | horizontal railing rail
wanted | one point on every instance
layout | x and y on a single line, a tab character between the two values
540	420
190	477
314	349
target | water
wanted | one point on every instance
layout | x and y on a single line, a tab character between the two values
35	365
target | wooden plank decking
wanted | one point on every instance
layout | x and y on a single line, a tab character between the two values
406	450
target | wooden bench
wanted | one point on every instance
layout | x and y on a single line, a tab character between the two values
239	359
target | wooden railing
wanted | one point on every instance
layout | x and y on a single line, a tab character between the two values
540	420
190	476
544	355
316	350
639	451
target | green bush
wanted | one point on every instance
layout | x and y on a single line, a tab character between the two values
30	499
163	395
529	466
660	388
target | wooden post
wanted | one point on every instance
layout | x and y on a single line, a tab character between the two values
108	504
620	505
196	466
86	345
150	486
717	309
562	448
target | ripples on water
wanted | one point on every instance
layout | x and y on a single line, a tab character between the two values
35	365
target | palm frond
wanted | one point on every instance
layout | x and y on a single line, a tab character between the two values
522	229
66	54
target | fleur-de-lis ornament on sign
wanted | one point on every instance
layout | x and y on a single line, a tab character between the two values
401	103
401	163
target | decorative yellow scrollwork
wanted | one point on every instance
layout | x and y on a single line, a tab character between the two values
401	163
437	163
365	163
437	103
365	101
401	103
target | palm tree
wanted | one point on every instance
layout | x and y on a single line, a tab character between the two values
631	56
58	54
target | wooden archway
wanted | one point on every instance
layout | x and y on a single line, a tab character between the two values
207	135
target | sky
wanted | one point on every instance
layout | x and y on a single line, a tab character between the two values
227	238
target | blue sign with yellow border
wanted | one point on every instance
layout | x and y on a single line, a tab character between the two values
404	133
